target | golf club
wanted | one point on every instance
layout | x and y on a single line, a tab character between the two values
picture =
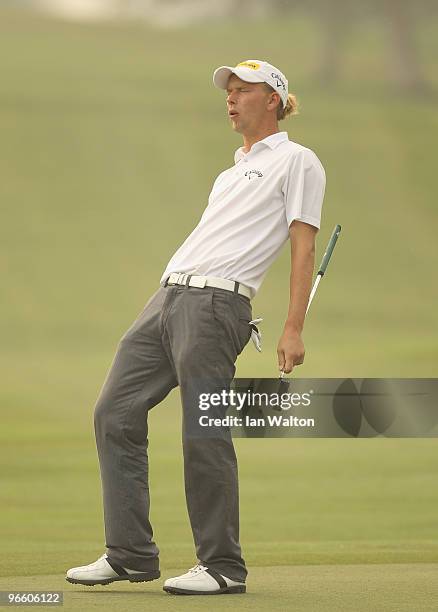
322	269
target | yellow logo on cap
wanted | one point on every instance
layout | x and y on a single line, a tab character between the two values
251	65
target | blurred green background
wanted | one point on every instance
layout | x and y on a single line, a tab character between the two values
111	137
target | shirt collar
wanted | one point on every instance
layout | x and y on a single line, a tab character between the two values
272	141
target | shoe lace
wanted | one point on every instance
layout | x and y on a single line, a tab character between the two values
196	569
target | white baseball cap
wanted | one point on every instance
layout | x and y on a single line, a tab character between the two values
253	71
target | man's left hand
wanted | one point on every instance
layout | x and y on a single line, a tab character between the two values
290	351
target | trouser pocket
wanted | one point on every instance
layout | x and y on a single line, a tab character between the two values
232	314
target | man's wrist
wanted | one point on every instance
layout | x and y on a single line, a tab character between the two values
293	327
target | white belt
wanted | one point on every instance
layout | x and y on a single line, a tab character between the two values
179	278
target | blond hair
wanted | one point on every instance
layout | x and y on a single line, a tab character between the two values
291	107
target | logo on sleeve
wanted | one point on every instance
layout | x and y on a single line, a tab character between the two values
253	173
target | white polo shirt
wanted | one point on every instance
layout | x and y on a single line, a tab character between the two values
250	209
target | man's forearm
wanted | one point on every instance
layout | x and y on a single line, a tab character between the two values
302	267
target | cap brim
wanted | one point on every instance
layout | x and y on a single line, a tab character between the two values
223	73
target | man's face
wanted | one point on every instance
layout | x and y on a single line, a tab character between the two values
246	104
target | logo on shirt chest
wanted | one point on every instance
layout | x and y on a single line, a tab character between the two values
253	174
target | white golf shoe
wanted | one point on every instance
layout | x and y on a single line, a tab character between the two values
105	571
201	580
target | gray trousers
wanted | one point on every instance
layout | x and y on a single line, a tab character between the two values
183	335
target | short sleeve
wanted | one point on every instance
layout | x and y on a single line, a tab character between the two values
304	188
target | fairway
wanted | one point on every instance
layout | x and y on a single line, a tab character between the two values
105	169
322	588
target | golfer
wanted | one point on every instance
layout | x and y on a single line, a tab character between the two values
192	330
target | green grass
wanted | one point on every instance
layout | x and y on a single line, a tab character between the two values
111	138
300	588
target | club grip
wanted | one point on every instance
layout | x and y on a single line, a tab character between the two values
329	250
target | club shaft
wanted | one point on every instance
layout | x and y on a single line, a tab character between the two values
324	263
322	268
